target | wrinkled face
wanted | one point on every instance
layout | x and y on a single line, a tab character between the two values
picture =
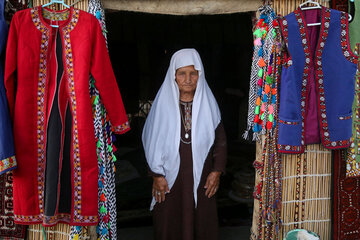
186	78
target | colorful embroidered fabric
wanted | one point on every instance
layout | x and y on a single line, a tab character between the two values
8	229
262	84
353	153
106	228
346	201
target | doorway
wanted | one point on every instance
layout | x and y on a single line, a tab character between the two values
140	47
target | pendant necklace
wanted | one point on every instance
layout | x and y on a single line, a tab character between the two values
185	128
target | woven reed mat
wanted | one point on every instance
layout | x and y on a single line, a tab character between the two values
306	184
60	231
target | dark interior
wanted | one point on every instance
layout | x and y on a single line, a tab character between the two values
140	47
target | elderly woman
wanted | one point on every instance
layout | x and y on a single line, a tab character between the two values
185	147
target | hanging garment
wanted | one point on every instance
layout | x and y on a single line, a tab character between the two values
7	151
52	114
317	82
106	228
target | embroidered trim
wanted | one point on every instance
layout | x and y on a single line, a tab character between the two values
308	62
325	135
288	122
48	220
41	136
75	145
345	44
7	164
120	129
290	149
345	118
55	16
284	29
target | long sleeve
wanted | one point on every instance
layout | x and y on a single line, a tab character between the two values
220	149
11	64
7	151
105	81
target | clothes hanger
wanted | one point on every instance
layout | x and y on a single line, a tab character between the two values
317	5
53	2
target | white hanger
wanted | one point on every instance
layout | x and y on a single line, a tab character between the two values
317	5
56	1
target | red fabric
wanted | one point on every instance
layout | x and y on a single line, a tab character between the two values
30	44
346	201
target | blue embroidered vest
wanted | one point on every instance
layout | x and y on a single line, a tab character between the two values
331	67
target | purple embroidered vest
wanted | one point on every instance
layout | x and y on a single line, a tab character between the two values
317	82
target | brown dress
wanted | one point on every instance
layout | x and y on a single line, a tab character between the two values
177	218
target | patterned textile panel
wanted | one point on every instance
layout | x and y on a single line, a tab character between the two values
346	222
8	229
341	5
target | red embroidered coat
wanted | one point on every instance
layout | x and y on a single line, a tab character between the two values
47	82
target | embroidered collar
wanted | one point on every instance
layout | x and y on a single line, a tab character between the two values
38	13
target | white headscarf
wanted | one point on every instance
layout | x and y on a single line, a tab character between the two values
161	134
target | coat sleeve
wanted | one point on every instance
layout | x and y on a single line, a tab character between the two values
220	149
105	81
11	65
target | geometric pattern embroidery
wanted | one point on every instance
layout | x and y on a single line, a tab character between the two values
55	16
7	164
288	123
121	128
326	12
40	110
8	229
345	45
320	81
76	153
304	40
77	218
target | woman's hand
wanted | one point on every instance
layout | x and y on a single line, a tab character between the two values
212	184
160	187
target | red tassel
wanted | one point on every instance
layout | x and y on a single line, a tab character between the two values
102	198
256	120
269	125
275	23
